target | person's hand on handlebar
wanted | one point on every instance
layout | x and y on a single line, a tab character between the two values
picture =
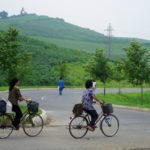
101	102
28	100
97	101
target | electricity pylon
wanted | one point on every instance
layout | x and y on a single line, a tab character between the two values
109	35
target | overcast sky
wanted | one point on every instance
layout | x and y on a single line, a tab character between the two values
129	18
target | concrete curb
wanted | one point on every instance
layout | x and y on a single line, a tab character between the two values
48	120
132	108
44	116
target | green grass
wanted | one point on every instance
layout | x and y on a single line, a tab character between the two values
78	81
23	108
3	88
123	84
128	99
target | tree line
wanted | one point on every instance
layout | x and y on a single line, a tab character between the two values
16	61
135	67
32	61
4	14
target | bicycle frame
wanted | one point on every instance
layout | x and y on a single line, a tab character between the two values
100	116
23	115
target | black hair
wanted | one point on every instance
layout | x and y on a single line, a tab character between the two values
88	84
12	83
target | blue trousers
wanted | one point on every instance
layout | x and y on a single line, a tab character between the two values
60	90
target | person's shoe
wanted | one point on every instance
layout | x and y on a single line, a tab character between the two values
94	126
90	128
15	127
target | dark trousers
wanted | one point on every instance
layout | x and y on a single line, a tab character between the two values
93	114
18	115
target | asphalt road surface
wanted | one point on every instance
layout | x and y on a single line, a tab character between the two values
134	129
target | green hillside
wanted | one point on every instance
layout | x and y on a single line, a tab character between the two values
63	34
33	25
52	41
117	48
45	57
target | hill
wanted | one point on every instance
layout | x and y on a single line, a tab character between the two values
45	58
33	25
63	34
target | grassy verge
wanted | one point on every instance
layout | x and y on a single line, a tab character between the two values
111	84
3	88
128	99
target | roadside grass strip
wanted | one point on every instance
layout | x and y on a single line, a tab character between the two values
127	99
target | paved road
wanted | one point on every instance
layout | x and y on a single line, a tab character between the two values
134	126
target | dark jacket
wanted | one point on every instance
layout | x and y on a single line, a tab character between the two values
14	95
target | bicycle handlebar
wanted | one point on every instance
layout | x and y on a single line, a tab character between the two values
95	102
28	100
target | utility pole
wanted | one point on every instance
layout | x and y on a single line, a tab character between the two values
109	35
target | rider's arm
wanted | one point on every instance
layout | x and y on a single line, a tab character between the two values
18	93
97	100
21	98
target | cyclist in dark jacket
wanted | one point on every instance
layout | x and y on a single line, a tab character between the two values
14	97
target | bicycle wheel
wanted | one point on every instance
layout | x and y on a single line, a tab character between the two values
109	125
78	127
6	127
32	125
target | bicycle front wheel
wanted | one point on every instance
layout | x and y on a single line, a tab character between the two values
32	125
6	127
109	125
78	127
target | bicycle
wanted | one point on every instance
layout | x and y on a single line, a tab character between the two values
32	122
108	123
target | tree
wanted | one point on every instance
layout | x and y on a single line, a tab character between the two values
118	72
13	61
99	68
62	70
3	14
137	65
59	70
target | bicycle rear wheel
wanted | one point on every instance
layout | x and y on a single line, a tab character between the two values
109	125
32	125
6	127
78	127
